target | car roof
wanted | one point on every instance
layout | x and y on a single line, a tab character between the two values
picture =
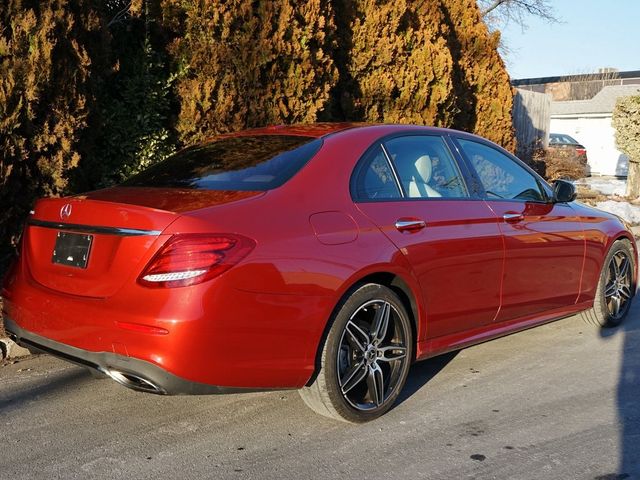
343	129
319	130
316	130
560	135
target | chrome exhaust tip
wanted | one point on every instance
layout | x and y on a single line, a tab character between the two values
134	382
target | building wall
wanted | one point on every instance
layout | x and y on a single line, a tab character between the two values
577	87
598	136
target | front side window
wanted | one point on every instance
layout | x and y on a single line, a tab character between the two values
501	177
425	167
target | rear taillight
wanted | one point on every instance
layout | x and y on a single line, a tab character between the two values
581	151
189	259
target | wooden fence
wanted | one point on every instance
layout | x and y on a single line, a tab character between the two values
531	118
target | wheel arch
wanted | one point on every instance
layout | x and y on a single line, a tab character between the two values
394	281
402	289
625	235
600	314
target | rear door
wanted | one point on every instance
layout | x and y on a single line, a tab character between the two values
544	241
415	192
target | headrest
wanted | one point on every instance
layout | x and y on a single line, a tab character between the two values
423	166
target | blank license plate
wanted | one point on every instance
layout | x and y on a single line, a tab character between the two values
72	249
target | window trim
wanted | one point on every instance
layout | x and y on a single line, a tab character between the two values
403	194
545	188
466	175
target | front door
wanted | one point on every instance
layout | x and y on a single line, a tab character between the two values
544	241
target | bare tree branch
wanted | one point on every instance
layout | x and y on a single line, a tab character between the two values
492	7
120	15
497	13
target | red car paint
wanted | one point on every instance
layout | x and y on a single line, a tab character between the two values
469	275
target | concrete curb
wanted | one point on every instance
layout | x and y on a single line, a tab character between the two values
10	349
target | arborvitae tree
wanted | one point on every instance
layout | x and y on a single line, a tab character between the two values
396	66
85	83
248	63
44	76
425	62
484	96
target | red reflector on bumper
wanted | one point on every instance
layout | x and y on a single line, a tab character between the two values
136	327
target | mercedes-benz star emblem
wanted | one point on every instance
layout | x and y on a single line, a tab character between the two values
65	211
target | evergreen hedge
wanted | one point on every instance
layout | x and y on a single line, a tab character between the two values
92	91
45	99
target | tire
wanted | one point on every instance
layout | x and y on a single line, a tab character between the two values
616	287
366	357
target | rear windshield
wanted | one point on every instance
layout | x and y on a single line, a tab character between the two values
238	163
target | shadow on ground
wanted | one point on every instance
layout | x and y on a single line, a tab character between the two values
628	403
422	372
62	381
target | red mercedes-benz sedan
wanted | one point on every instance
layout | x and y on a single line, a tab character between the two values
325	258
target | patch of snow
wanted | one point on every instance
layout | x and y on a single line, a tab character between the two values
631	213
605	185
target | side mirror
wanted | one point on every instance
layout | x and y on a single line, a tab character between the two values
564	191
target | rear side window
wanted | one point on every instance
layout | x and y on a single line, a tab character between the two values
375	181
425	167
257	163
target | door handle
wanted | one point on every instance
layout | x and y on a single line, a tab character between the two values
512	217
410	225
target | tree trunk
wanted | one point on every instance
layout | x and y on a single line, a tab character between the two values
633	180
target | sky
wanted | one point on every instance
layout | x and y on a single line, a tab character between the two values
592	34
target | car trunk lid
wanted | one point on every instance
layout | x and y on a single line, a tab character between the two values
90	245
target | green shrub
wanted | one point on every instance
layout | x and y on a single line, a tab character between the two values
626	121
131	126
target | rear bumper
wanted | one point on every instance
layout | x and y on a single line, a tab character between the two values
131	372
208	334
